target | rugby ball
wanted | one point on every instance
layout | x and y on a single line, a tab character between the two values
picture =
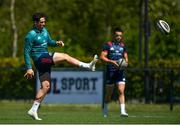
122	63
163	26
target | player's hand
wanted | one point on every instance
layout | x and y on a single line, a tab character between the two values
115	63
29	74
60	43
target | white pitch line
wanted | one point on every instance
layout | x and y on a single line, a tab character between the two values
145	116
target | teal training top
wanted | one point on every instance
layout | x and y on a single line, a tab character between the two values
36	44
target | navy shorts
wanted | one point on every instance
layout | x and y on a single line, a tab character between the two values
43	66
114	77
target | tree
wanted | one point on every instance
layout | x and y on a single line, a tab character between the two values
14	28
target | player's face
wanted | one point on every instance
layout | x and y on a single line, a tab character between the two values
41	23
118	36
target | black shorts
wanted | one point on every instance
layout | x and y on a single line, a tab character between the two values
43	66
114	77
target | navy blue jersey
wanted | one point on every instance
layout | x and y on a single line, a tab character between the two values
114	51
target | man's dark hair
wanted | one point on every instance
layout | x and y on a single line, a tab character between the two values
117	29
36	16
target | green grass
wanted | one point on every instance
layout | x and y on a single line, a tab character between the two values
16	113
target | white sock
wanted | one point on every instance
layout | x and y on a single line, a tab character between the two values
122	107
84	65
35	106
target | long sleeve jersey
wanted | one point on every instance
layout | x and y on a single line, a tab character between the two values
36	44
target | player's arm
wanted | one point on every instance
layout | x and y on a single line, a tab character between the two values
53	42
50	41
27	49
126	56
103	56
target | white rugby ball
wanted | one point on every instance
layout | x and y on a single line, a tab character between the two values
122	63
163	26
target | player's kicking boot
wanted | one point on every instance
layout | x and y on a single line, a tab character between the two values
93	63
34	115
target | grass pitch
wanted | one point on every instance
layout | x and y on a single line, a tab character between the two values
16	113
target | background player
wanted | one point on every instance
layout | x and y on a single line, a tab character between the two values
113	51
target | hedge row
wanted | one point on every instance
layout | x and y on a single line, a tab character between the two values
14	86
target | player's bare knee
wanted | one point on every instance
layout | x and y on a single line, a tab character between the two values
46	86
121	93
66	56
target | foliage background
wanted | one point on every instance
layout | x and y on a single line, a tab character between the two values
85	26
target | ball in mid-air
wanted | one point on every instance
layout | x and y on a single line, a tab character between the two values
163	26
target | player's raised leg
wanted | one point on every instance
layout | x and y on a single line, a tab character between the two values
58	57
